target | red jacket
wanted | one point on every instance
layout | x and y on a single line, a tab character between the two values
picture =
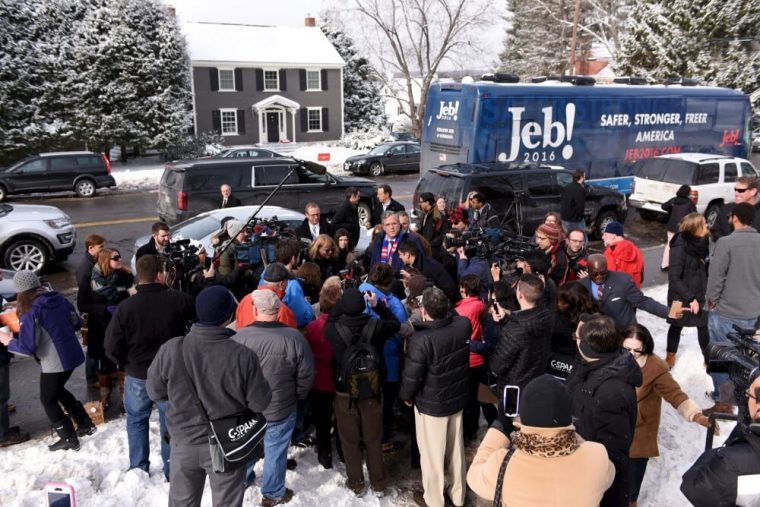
244	312
323	354
626	257
473	308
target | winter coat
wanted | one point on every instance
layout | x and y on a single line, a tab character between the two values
626	257
347	217
324	377
436	273
48	333
84	284
436	368
433	228
475	266
148	248
395	344
687	279
733	280
723	228
677	208
575	264
621	298
657	385
304	230
483	218
473	309
296	301
144	322
226	375
377	248
522	351
244	312
377	209
574	480
286	361
712	479
573	202
558	266
604	411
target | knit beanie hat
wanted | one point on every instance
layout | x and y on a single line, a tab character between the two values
615	228
551	231
25	280
214	305
352	302
233	227
545	403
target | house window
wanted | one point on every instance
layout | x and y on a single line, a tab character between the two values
271	80
315	119
313	80
229	122
226	80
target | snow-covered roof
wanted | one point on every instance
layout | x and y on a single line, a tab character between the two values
259	45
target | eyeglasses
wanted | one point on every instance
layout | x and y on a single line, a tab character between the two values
634	351
756	397
740	190
116	258
541	238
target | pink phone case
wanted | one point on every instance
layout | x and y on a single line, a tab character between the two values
59	488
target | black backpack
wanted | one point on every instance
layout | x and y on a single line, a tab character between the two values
359	372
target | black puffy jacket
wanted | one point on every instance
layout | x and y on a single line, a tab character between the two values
522	352
437	365
604	411
687	278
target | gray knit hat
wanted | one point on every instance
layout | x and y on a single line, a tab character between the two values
26	280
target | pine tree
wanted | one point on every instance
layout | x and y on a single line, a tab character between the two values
362	101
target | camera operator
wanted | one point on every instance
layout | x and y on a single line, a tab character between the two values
576	254
536	262
719	476
235	229
159	240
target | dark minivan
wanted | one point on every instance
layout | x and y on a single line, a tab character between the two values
189	187
80	171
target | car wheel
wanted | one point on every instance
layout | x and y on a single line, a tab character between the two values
85	188
3	193
376	169
604	218
26	254
711	215
365	214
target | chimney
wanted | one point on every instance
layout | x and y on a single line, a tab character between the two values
171	10
309	21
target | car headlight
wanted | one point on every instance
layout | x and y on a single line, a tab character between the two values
59	223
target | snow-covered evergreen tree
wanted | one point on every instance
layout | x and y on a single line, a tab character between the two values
363	104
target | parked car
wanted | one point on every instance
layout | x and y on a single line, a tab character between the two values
387	157
710	176
520	193
82	172
201	227
246	152
31	236
190	187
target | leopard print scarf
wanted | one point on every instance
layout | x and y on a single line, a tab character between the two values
563	443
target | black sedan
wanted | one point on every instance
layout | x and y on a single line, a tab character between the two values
387	157
246	152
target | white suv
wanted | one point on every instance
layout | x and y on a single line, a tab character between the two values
711	178
31	236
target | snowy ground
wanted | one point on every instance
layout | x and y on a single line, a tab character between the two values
98	470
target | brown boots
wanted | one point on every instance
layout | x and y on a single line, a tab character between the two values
670	358
106	382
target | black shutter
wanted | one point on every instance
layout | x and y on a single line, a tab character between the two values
302	77
324	79
259	80
283	81
325	123
216	121
304	119
241	121
239	80
214	78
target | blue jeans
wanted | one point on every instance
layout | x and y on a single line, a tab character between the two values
719	326
276	442
5	394
138	406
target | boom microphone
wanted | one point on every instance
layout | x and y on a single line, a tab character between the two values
313	167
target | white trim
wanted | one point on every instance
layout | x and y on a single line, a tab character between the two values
261	65
264	77
278	100
342	107
219	78
318	88
221	121
280	103
309	110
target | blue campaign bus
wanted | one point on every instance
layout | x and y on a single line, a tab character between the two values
603	129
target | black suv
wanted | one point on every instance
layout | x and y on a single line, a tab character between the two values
80	171
516	190
189	187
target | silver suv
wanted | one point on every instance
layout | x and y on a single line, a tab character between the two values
32	236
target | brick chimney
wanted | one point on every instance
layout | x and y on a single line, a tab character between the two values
309	21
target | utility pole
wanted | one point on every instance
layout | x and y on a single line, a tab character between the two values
576	15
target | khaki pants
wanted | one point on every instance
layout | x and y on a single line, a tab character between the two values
441	443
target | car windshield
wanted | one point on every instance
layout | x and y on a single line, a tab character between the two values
196	227
379	150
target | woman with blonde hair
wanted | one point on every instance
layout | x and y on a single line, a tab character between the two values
687	282
324	252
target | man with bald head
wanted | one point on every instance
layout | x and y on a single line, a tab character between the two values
616	293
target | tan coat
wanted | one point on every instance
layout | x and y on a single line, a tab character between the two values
577	480
658	385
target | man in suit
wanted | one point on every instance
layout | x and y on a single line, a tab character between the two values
229	200
616	293
384	202
314	224
347	215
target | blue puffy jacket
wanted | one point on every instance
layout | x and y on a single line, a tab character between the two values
393	346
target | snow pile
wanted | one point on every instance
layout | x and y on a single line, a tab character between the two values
98	470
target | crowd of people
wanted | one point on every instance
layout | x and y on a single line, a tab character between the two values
403	347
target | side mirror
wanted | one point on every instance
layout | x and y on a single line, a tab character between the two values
389	154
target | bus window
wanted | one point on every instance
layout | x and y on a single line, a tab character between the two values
730	172
709	173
